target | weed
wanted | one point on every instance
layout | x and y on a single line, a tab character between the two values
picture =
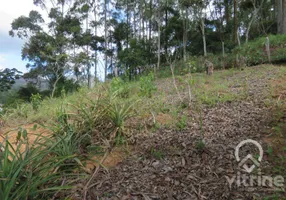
36	100
120	88
200	145
182	123
156	127
147	87
157	154
269	150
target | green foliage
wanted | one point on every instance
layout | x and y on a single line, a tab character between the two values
31	174
65	86
157	154
256	53
147	86
25	93
19	110
120	88
119	112
68	145
200	145
7	78
269	150
36	100
182	122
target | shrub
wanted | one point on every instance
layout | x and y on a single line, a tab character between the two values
31	174
36	100
25	93
120	87
147	86
255	50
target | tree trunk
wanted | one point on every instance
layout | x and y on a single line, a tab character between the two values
238	38
150	31
159	38
235	28
248	29
284	17
134	23
223	51
166	24
105	39
55	86
267	46
185	35
159	45
88	63
127	21
226	12
281	16
204	36
253	18
95	33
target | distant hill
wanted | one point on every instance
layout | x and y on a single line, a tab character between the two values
19	83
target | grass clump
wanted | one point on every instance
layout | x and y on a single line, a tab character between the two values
30	172
147	87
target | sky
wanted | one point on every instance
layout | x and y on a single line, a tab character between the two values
10	48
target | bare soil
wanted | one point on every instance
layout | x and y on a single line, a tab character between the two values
174	164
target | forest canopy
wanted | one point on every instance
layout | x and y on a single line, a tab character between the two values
127	37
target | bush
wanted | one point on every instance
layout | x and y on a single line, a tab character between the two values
25	93
36	100
255	50
120	87
68	85
31	173
147	87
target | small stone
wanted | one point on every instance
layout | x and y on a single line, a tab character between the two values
156	164
167	179
177	183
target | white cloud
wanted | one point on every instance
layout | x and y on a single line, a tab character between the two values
9	10
2	58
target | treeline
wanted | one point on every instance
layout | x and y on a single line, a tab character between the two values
127	37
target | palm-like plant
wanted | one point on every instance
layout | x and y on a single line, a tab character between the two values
118	112
29	174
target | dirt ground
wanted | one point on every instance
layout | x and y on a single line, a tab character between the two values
174	164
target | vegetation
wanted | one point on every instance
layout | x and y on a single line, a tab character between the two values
7	78
155	95
144	36
92	121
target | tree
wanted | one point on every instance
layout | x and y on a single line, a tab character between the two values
48	51
8	77
281	16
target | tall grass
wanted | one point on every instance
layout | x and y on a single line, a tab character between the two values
31	173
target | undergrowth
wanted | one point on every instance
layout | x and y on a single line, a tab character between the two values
95	120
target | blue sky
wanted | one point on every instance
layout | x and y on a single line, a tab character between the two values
10	48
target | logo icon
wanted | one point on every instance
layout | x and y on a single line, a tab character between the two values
256	162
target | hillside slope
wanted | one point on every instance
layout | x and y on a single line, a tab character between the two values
172	144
